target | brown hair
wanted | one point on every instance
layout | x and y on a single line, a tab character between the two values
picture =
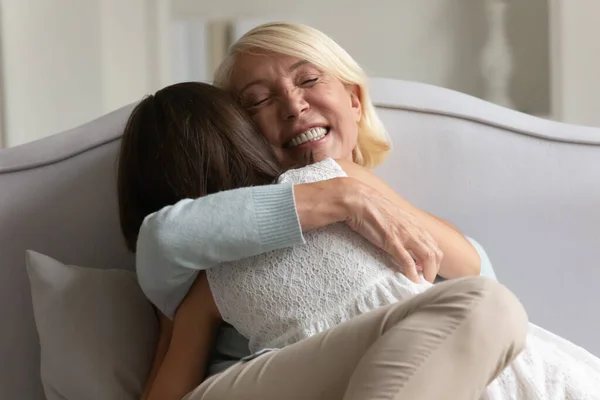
186	141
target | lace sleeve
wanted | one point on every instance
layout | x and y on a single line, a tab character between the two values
320	171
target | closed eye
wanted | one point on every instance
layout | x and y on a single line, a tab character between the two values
251	103
259	102
309	82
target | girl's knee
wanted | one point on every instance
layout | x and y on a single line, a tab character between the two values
499	311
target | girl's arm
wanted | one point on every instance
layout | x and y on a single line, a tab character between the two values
182	367
164	338
459	257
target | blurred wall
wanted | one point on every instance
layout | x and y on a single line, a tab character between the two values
66	62
433	41
576	61
52	69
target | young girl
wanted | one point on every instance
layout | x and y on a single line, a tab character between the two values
274	303
284	297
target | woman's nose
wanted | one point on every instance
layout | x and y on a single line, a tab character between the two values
293	105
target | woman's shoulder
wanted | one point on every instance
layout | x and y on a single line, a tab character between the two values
322	170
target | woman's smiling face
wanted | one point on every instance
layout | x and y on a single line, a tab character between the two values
299	108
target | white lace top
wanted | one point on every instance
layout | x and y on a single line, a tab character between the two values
281	297
278	298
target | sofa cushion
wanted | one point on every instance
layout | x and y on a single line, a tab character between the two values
97	330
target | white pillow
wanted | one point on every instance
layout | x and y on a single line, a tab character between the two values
97	331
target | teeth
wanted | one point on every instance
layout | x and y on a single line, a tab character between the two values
311	134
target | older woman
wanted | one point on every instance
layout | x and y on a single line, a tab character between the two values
309	100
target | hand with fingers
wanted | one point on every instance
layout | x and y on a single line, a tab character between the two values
397	232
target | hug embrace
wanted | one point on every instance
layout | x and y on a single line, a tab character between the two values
282	267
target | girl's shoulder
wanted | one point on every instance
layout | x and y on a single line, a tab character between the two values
318	171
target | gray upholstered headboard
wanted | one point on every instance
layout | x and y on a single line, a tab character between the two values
57	196
527	189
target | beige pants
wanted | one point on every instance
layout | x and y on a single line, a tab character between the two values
447	343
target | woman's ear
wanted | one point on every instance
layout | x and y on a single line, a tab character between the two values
355	101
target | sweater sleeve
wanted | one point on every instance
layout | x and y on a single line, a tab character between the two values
177	241
486	264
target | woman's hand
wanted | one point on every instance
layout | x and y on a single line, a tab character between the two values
373	216
396	231
417	240
424	235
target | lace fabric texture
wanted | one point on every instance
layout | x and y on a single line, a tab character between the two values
283	296
549	368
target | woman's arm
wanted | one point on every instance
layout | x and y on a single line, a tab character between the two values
177	241
182	367
459	257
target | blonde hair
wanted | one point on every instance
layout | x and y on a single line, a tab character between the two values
314	46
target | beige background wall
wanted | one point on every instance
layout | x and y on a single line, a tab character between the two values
434	41
65	62
576	60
